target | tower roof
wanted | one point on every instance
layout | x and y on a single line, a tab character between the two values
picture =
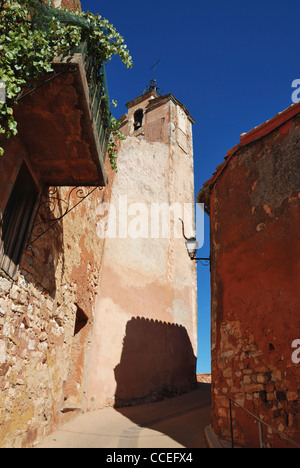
157	100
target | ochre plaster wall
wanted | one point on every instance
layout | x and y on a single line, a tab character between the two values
147	295
255	219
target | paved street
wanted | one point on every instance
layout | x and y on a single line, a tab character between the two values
174	423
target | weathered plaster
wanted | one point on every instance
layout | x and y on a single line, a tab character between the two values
145	278
255	282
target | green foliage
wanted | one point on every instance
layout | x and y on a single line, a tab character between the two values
32	34
115	135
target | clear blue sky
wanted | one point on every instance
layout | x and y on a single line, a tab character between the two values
230	63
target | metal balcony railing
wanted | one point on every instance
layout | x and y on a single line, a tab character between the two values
99	97
260	422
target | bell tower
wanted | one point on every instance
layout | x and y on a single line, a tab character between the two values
145	323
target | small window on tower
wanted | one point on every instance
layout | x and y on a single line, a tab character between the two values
138	119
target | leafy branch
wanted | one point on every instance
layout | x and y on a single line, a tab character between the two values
32	34
112	148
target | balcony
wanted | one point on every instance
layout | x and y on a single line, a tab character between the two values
64	123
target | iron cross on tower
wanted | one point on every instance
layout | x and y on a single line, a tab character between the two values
153	83
153	68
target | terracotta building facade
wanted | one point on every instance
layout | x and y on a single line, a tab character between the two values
254	204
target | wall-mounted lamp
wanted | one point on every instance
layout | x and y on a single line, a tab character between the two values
192	247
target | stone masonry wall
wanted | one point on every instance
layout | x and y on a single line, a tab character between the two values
255	220
46	320
46	314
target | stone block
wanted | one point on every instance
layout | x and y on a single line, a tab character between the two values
3	306
276	376
5	285
291	396
252	388
262	378
227	373
2	352
247	379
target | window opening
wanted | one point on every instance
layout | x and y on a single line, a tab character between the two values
81	320
16	221
138	119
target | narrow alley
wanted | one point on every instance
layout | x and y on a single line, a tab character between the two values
173	423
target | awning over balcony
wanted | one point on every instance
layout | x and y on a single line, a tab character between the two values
65	124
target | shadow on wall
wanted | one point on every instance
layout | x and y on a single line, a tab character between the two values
26	217
40	259
157	362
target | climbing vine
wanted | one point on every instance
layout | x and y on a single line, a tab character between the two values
115	135
32	34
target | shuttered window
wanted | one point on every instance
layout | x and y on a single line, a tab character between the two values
16	221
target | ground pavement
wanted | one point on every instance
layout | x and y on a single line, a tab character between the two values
173	423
